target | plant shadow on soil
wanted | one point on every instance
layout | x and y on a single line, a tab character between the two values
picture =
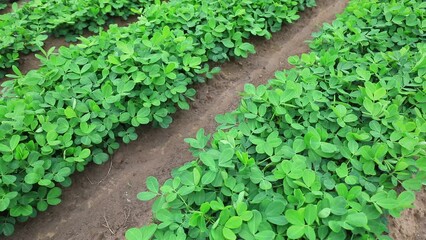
102	204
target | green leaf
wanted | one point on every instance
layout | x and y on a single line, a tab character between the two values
208	160
324	213
351	180
32	178
5	148
170	67
4	203
8	228
296	231
152	184
127	48
275	209
42	206
208	177
100	158
8	179
185	190
340	111
295	217
411	20
328	147
197	176
279	220
70	113
310	233
312	139
225	157
144	233
357	219
265	235
408	143
44	182
308	177
21	210
142	115
342	171
406	199
335	226
338	206
53	196
146	196
133	234
148	231
228	234
412	184
265	185
85	153
384	201
247	47
299	145
234	222
14	141
63	125
310	214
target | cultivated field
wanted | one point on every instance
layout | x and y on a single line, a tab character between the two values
101	202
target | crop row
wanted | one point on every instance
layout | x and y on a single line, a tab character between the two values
317	152
84	100
26	28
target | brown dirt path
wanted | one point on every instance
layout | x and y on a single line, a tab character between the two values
102	204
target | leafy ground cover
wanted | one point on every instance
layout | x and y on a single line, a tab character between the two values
26	28
85	99
318	152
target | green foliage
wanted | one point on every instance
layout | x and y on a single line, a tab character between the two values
26	28
3	5
87	98
318	152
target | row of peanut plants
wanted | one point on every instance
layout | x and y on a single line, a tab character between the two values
318	152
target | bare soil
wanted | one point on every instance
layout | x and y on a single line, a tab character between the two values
102	204
412	223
